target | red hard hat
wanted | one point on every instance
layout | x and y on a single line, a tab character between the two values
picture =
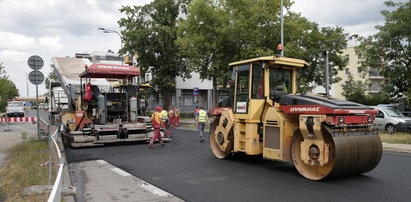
159	108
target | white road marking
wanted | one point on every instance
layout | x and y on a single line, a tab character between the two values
101	162
121	172
153	189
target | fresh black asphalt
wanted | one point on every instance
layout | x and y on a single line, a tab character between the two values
187	168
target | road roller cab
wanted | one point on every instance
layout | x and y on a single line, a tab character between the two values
264	116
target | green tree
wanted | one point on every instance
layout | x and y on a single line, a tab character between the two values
389	51
354	91
8	89
310	45
50	77
379	98
216	33
150	31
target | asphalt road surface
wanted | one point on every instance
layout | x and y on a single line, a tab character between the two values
187	168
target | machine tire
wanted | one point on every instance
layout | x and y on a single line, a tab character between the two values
215	148
390	128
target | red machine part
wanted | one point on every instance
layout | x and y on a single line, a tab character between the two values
87	93
318	109
110	71
362	119
81	120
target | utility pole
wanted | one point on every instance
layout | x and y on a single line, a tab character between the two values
327	75
27	84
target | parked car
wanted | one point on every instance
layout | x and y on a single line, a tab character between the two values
391	120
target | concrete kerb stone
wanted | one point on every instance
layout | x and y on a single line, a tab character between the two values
397	147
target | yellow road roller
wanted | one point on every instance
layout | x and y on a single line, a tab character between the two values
263	115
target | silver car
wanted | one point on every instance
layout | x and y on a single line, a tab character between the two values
391	120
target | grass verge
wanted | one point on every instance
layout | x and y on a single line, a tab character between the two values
396	138
22	170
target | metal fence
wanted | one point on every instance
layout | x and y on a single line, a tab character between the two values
55	159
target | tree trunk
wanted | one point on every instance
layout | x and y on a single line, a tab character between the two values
215	94
166	96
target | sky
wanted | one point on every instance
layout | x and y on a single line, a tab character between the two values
60	28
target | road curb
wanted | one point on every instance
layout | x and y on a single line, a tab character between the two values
396	147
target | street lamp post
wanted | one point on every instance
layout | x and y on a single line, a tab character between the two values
113	31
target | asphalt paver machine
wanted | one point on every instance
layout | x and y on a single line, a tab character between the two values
98	114
263	115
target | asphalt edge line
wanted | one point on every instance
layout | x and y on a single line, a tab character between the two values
101	162
153	189
120	172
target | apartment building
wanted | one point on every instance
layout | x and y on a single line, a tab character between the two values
372	78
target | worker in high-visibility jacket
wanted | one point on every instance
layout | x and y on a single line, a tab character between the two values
201	120
165	121
156	119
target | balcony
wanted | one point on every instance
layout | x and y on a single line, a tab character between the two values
375	74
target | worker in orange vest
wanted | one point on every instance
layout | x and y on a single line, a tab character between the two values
156	119
171	117
177	116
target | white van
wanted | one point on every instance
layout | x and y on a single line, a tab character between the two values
15	109
391	120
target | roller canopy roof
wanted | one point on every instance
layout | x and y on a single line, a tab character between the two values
110	71
272	60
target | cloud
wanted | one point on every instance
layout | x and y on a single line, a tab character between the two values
13	56
77	17
52	43
343	13
16	41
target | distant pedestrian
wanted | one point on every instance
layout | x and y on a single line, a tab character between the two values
177	116
171	117
201	120
156	119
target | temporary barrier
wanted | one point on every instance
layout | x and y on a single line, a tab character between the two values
56	159
18	119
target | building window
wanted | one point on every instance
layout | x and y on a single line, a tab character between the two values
187	97
347	71
347	57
